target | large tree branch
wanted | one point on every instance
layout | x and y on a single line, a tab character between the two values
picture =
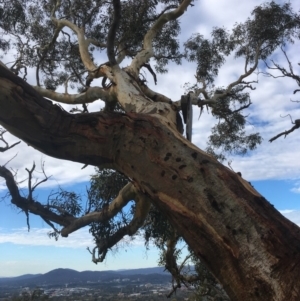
155	96
132	98
82	42
92	94
126	194
143	56
15	92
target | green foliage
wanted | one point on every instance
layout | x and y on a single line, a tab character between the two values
31	30
229	135
272	25
157	229
105	186
209	55
65	202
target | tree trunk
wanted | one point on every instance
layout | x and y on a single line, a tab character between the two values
247	244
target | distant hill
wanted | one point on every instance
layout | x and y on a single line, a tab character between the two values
144	271
68	276
23	277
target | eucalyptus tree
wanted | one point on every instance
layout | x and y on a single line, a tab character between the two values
249	247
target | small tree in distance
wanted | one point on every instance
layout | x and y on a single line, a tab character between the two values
174	189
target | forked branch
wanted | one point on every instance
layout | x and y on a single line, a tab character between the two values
31	186
126	194
141	211
7	146
29	205
143	56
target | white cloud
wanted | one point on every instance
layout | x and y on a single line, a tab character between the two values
293	215
296	188
39	237
82	239
287	211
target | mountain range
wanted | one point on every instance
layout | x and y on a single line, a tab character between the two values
68	276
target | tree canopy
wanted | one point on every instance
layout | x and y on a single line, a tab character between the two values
150	179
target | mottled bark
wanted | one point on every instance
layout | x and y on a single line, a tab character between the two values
247	244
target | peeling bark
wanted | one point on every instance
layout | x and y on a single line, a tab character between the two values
247	244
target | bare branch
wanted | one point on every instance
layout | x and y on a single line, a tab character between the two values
29	181
242	77
285	72
112	32
148	66
31	187
285	133
92	94
10	159
28	205
52	226
7	146
77	75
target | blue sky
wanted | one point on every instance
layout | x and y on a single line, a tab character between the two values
34	252
273	168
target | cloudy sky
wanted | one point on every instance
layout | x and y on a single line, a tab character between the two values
274	168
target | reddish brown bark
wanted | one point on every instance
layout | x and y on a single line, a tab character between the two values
247	244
